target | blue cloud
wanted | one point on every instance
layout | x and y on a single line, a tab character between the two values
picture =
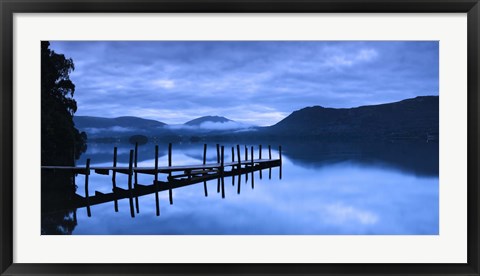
256	82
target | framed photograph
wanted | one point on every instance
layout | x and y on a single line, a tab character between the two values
236	137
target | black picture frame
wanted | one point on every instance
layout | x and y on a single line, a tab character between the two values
10	7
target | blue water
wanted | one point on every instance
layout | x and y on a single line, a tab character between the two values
326	188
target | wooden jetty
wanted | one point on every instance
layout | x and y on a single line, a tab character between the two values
177	176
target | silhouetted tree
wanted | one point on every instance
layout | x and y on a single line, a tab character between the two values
62	143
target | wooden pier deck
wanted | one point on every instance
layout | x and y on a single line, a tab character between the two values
189	175
152	170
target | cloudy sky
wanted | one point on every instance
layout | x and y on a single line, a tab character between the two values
256	83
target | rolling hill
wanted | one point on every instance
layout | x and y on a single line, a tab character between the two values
204	119
407	119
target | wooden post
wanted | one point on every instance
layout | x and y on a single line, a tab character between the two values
260	158
280	153
87	197
218	162
270	158
239	168
205	162
246	159
280	157
253	166
238	157
157	200
136	176
233	160
130	174
222	169
114	176
170	195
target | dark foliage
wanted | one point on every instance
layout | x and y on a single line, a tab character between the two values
62	143
58	191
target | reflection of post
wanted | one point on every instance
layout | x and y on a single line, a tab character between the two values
270	158
239	168
170	195
87	197
157	201
233	160
130	174
114	176
136	176
218	162
280	157
75	216
205	162
253	165
222	169
260	157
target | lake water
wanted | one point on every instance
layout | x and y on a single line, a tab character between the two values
326	188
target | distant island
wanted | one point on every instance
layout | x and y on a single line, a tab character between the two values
409	119
205	119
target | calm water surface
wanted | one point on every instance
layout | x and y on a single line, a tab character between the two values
326	188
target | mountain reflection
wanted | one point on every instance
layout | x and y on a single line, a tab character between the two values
412	157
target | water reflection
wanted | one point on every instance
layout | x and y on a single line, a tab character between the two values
419	158
58	190
327	188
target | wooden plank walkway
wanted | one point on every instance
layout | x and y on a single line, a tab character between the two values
190	174
153	170
141	190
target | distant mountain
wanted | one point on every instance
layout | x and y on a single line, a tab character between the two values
112	129
210	119
83	122
416	118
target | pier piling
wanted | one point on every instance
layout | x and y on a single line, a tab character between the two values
222	172
270	158
260	157
280	158
239	168
170	193
233	160
136	177
87	197
205	162
155	181
246	159
114	176
218	162
253	164
130	175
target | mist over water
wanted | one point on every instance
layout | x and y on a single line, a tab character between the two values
326	188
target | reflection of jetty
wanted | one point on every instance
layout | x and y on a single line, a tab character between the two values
178	176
